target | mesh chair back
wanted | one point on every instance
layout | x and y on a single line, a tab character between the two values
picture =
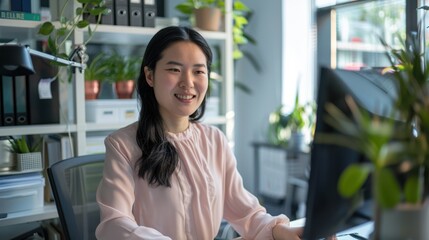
74	182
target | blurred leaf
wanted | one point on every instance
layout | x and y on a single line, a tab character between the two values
388	192
413	189
352	179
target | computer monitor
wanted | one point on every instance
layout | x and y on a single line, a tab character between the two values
327	212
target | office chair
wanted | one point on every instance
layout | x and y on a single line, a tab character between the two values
74	182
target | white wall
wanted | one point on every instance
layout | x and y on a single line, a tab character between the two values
291	61
252	110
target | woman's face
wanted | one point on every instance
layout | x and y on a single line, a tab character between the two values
180	80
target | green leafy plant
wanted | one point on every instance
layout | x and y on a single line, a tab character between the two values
379	140
395	152
282	125
98	68
57	36
187	7
19	145
240	19
124	67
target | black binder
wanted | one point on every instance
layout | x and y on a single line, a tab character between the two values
21	100
15	5
136	8
1	101
43	111
26	5
121	12
8	100
109	19
149	13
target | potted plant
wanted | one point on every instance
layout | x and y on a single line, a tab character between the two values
288	129
240	15
124	72
95	73
399	156
27	157
205	13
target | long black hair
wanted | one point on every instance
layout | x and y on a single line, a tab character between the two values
159	157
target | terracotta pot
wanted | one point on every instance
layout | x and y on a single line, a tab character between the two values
92	89
125	89
208	18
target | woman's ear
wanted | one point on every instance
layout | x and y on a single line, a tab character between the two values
149	75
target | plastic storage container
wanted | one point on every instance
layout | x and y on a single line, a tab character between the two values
111	110
21	192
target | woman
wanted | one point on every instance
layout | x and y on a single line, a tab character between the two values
169	176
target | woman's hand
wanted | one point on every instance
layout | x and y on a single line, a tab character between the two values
284	232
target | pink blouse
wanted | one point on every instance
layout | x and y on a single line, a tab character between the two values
205	188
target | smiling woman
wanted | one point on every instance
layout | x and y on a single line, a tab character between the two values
168	176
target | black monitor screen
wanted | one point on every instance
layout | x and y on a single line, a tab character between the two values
327	211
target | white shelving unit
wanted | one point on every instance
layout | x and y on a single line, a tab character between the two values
26	31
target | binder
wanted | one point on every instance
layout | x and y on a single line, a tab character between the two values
8	101
1	102
26	5
109	18
15	5
43	110
21	100
160	8
121	12
136	8
149	13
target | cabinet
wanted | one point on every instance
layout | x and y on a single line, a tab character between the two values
73	99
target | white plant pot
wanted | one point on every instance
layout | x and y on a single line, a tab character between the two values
297	142
29	161
405	222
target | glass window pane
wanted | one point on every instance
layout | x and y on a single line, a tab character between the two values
360	28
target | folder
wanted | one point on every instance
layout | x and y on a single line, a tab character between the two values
43	110
136	8
8	100
15	5
26	5
21	100
1	102
149	13
109	18
121	12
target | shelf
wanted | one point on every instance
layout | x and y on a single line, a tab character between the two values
16	24
19	30
112	34
48	211
14	172
36	129
93	127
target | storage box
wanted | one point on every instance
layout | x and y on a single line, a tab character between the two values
111	110
19	193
